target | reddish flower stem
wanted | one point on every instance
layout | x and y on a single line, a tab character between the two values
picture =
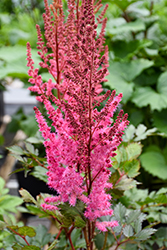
57	63
59	233
23	237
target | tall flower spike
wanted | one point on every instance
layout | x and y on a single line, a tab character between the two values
80	152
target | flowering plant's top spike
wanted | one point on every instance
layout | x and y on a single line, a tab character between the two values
79	153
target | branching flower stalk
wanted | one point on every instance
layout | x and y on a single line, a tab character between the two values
79	152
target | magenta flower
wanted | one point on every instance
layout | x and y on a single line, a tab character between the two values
79	152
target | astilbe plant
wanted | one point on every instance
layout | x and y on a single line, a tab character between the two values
79	152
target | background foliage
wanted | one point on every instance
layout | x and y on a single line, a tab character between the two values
137	37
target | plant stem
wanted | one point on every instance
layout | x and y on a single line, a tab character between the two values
114	236
23	237
86	238
120	243
71	229
105	241
41	164
57	63
69	237
59	233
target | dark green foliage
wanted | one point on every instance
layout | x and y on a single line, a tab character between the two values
6	6
137	40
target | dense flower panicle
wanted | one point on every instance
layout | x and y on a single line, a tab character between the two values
79	152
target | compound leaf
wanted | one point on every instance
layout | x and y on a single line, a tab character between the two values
26	231
144	234
119	212
128	231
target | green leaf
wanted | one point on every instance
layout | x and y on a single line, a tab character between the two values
15	61
62	242
132	216
117	229
142	132
114	177
131	168
1	139
29	147
163	218
125	183
146	201
124	155
15	69
133	150
128	231
128	49
119	212
154	163
75	235
160	121
18	157
157	100
27	197
9	203
134	26
35	210
99	241
31	247
151	52
2	225
79	222
162	86
137	226
161	198
42	236
123	73
118	158
162	191
10	53
52	245
130	70
144	234
16	246
15	228
29	126
47	76
116	193
8	219
134	195
161	233
147	78
80	244
144	96
2	184
40	173
26	231
71	212
16	150
67	221
122	86
129	133
123	4
17	170
34	140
